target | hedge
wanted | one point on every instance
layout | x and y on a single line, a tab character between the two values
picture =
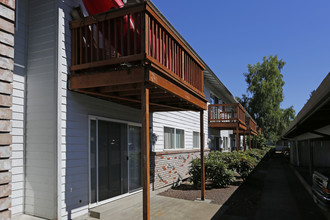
221	167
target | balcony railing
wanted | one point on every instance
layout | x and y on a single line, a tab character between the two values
134	35
251	125
226	113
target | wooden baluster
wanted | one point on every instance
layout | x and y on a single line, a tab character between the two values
90	45
128	35
122	36
73	47
109	38
176	59
160	44
146	25
153	38
157	42
164	50
182	65
167	52
81	45
103	40
116	37
180	62
97	46
135	35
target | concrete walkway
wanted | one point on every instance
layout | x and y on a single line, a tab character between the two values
273	191
161	208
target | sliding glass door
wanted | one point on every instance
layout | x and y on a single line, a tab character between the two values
115	159
134	149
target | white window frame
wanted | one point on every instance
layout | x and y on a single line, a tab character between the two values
175	147
199	140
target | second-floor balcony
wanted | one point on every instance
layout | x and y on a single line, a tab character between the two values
251	125
227	116
132	46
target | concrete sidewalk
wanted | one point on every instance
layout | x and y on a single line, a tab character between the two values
272	191
161	208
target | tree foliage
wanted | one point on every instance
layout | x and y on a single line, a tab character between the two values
264	97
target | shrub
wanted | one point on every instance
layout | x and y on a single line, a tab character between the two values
195	171
220	167
246	164
218	173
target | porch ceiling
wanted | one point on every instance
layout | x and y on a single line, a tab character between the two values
124	87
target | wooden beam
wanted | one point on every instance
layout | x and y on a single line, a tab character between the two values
202	155
104	63
223	125
174	89
113	78
237	139
121	88
145	153
168	107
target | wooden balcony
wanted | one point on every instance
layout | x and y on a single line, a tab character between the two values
115	54
227	116
251	125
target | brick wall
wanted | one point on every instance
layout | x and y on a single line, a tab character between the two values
7	29
171	167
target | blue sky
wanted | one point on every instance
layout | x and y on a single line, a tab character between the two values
229	35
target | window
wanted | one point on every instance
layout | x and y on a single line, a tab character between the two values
225	143
173	138
196	140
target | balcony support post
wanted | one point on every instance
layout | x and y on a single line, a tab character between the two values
250	147
244	144
202	155
145	152
237	137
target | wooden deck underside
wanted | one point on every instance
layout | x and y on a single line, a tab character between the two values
228	126
124	86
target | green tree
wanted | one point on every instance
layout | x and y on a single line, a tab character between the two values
264	96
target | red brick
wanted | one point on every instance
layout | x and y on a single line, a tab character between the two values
6	113
6	63
5	177
7	13
5	126
9	3
5	203
6	215
7	26
5	139
5	164
6	100
6	51
5	190
5	151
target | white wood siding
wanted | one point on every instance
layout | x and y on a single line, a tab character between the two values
75	109
188	121
41	154
19	109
